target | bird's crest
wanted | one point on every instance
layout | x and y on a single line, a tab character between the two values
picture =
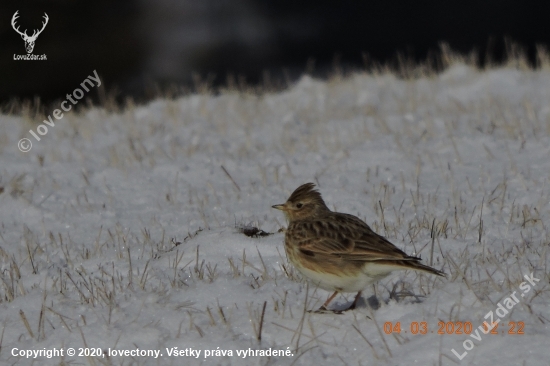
306	191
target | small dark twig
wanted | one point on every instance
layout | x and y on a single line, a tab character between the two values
230	177
253	232
261	322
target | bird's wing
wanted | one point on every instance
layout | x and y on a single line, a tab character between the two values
347	237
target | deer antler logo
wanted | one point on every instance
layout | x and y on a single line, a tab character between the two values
29	41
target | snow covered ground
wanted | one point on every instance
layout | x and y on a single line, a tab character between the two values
123	231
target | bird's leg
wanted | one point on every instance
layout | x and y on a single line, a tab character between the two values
323	308
354	303
356	300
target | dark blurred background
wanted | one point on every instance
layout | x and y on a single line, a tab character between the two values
141	47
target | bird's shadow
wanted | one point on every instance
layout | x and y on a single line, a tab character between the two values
371	302
374	303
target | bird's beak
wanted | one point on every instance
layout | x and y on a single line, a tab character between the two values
280	207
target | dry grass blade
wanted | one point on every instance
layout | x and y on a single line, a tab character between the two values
26	323
366	340
230	177
380	333
262	322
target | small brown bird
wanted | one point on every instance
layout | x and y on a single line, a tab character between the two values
337	251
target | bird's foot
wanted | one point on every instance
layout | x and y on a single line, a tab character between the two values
324	310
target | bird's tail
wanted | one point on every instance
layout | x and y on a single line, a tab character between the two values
416	265
412	263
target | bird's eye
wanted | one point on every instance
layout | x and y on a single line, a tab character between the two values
299	205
